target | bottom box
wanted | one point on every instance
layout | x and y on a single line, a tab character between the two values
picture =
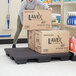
31	39
55	41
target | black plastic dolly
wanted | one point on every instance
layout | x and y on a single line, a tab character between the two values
24	55
73	56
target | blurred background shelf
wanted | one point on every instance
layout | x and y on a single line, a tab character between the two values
70	2
20	37
56	24
70	26
55	3
67	7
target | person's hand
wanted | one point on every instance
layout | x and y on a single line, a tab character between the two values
49	8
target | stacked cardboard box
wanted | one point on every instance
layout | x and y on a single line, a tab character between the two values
37	20
55	41
31	39
42	38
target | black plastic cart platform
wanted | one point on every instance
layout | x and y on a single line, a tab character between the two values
73	56
24	55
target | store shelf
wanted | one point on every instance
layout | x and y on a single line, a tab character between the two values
70	26
71	2
56	24
55	3
21	37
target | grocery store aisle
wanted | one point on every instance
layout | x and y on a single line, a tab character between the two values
54	68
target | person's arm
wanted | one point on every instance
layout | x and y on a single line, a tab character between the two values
23	5
43	5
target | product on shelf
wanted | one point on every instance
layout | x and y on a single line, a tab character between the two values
56	0
50	1
47	1
69	0
72	44
71	40
56	17
71	20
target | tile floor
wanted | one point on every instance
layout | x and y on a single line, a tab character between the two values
53	68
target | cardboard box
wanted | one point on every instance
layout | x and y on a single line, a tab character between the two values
56	41
31	40
37	20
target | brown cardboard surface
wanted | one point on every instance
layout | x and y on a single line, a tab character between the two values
37	20
56	41
38	39
31	40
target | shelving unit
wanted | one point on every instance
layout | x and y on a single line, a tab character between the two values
70	26
68	7
56	24
21	37
71	2
56	4
56	9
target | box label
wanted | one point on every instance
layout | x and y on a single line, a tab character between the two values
35	17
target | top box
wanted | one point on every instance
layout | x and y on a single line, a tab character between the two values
37	19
